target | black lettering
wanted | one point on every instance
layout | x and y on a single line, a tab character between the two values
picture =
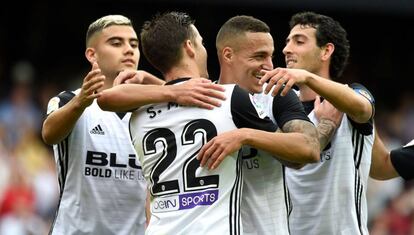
151	112
87	171
248	152
172	105
96	158
98	172
251	163
113	161
256	163
132	161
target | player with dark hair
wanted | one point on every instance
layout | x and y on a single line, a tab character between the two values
102	190
327	197
167	137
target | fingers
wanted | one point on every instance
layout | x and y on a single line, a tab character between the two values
212	154
128	76
317	102
206	101
202	104
219	157
288	86
93	73
95	66
267	75
199	92
205	153
202	101
203	80
93	82
95	85
212	90
216	87
274	79
120	79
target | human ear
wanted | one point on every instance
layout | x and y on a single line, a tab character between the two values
327	51
189	48
90	55
227	54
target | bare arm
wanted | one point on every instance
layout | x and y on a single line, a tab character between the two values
381	165
137	77
309	141
195	92
298	143
329	119
293	146
357	107
312	138
60	122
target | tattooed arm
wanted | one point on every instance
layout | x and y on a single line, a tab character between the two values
326	129
304	127
309	132
329	119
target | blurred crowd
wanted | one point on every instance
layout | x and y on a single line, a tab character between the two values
28	183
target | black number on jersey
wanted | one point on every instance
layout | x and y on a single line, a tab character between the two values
169	153
247	152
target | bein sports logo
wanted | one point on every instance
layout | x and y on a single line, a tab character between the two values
184	201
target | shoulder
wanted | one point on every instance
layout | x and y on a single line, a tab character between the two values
362	90
60	100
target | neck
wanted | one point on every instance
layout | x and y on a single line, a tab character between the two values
109	82
109	79
226	77
182	71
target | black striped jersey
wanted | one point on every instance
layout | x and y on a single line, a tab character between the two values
265	203
102	189
329	197
188	199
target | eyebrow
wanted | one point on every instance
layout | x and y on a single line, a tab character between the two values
120	39
295	36
262	53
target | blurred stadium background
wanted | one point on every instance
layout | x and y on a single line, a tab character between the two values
42	52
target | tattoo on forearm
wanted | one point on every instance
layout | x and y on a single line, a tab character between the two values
304	127
326	129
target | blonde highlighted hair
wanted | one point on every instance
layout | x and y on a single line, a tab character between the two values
104	22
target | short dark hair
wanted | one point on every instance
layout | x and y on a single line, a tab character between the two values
327	31
162	39
239	25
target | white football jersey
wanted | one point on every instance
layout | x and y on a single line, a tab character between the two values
329	197
265	201
102	189
188	199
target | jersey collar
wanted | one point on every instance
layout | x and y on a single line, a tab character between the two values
177	80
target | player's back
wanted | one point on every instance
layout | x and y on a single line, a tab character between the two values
187	199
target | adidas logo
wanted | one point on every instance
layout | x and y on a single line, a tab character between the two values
97	130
